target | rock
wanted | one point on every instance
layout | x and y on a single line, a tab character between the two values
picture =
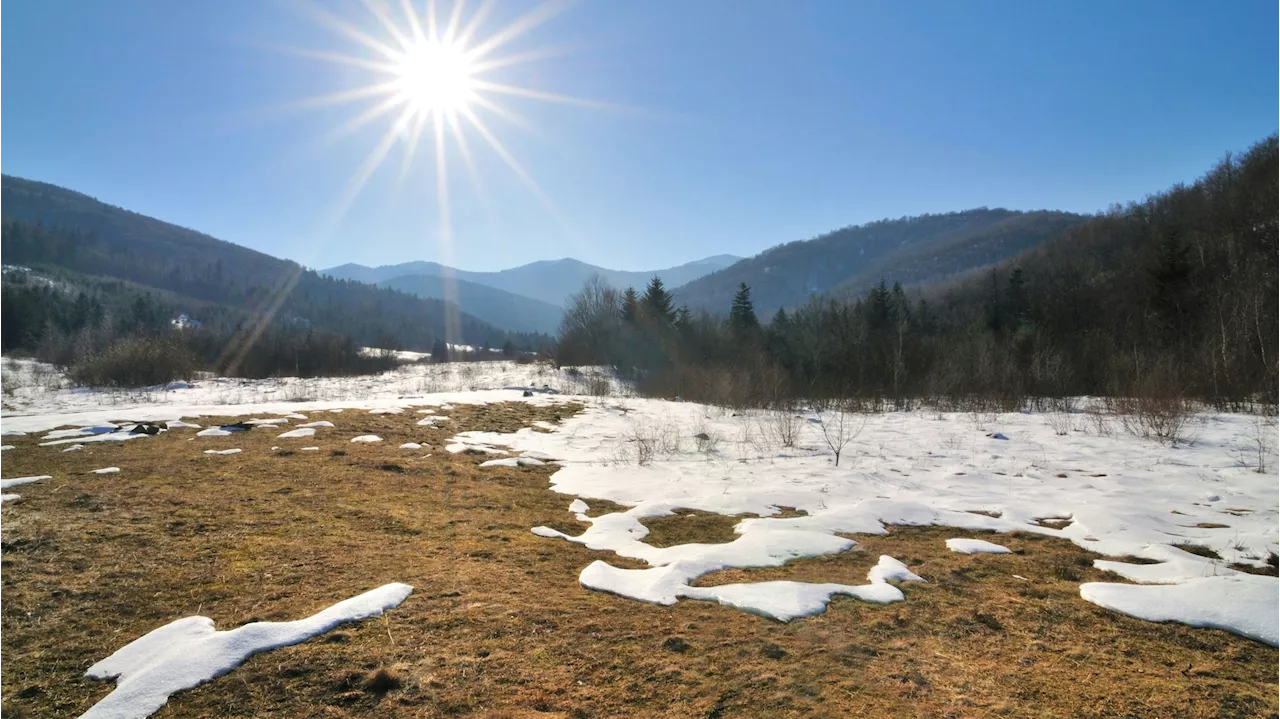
702	436
772	651
676	644
528	393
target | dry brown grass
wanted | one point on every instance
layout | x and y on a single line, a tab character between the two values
498	625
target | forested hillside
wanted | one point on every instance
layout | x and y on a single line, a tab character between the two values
47	225
1174	297
911	250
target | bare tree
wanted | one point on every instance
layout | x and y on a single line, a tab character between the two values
840	426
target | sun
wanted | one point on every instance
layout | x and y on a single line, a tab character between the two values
435	77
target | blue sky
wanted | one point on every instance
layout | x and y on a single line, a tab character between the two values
734	125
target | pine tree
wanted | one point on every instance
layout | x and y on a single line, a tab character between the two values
742	315
657	302
630	306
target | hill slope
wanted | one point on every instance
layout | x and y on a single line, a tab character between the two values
497	307
911	250
550	281
98	239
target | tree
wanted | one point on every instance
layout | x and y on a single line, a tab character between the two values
658	303
439	351
743	323
630	306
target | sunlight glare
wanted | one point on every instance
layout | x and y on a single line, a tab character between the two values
435	77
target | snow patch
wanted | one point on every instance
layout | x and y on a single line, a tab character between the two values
367	438
188	652
975	546
19	481
222	451
1242	604
105	470
299	432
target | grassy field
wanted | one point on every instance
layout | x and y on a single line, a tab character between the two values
498	625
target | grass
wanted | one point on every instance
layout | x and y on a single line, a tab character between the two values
498	625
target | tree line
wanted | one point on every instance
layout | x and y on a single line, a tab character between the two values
1173	296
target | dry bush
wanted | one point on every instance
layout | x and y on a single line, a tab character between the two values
1162	418
781	427
1061	414
137	362
646	441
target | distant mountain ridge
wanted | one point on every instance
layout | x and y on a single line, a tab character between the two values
549	281
96	239
497	307
910	250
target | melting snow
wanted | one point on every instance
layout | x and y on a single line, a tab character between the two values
1243	604
19	481
299	432
222	451
6	446
410	445
321	423
975	546
188	652
367	438
74	448
106	470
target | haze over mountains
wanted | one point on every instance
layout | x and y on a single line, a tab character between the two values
114	242
549	281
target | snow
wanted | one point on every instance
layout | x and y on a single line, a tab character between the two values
12	433
410	445
309	449
1124	496
19	481
975	546
188	652
74	448
105	470
179	424
121	436
321	423
1242	604
299	432
222	451
578	506
386	410
9	497
513	462
81	431
431	421
5	446
366	438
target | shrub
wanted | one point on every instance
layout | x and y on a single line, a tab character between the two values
137	362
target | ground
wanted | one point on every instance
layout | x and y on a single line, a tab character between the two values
498	624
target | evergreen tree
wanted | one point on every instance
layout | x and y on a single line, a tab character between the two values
439	351
630	306
658	303
743	323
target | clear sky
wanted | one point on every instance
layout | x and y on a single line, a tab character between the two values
731	125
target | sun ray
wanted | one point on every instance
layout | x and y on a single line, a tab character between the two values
481	66
336	24
415	26
366	117
545	96
418	122
535	17
388	68
464	148
474	24
379	11
455	16
502	112
508	158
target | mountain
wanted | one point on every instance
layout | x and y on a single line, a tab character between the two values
550	281
53	226
497	307
911	250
